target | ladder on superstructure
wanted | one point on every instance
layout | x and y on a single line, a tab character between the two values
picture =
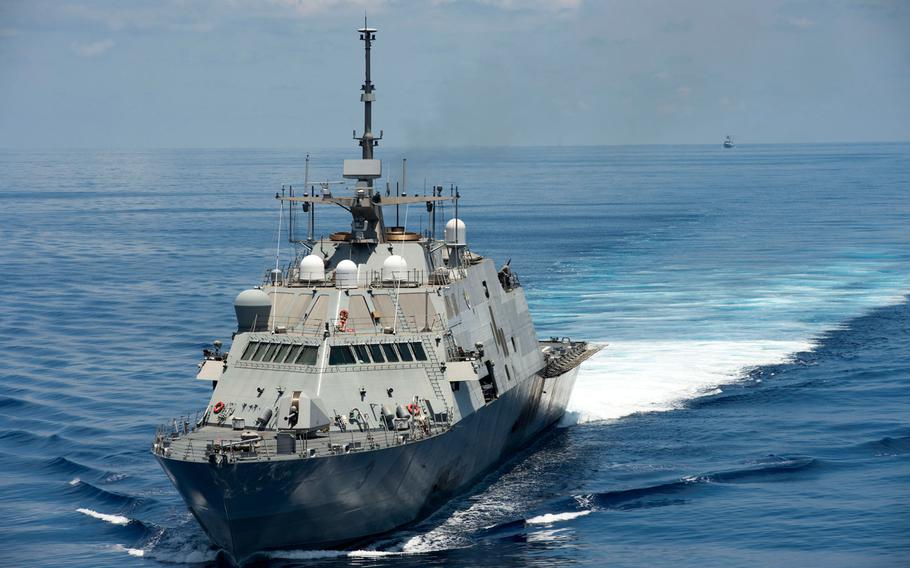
401	322
436	376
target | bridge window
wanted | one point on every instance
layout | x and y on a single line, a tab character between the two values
418	350
250	349
376	352
270	352
260	351
360	352
341	355
292	354
281	353
307	355
405	352
389	350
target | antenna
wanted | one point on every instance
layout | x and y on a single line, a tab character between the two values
367	141
307	206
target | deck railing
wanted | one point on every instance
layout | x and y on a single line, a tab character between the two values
222	445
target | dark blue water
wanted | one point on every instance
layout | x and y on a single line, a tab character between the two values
753	404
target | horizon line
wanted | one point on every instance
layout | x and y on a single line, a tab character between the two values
446	147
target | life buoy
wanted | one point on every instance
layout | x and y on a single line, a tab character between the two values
413	409
219	406
343	314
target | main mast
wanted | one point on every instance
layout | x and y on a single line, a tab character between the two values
367	142
367	226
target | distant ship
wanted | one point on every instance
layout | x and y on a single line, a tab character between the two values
728	142
370	380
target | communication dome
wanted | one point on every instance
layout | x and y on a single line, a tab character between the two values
456	232
312	268
395	268
252	308
346	274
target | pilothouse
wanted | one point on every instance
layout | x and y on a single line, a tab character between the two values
371	379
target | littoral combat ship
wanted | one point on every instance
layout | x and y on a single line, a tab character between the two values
376	376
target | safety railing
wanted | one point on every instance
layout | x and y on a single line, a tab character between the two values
220	445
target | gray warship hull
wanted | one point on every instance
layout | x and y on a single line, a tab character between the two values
335	501
378	374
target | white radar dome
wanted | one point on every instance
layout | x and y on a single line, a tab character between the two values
456	232
346	274
394	268
252	308
312	268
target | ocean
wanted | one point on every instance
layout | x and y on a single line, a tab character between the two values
751	405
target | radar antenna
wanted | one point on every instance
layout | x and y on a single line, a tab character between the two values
367	141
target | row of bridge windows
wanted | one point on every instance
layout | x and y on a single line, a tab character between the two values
289	353
377	353
359	354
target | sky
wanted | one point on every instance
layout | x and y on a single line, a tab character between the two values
287	73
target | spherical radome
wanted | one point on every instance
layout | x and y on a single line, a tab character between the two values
346	274
312	268
394	268
456	232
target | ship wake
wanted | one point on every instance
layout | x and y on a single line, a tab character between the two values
630	377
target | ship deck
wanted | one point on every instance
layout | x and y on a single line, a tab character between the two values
187	439
222	444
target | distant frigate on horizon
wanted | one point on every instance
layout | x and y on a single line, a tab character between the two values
369	381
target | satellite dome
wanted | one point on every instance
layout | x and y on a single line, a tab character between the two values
252	308
456	232
395	268
312	268
346	274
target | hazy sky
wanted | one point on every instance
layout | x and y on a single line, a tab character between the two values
287	73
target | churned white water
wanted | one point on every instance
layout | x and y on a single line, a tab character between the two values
113	519
628	377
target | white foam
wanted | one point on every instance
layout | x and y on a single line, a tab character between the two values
452	533
321	554
550	518
549	535
130	551
630	377
113	519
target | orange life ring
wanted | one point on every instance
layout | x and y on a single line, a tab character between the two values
343	314
413	409
219	406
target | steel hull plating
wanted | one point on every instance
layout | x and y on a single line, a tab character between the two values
332	501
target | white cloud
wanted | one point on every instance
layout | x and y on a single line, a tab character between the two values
92	49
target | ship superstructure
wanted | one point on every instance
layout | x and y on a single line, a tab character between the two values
370	380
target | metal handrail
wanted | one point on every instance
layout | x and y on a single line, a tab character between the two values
265	446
